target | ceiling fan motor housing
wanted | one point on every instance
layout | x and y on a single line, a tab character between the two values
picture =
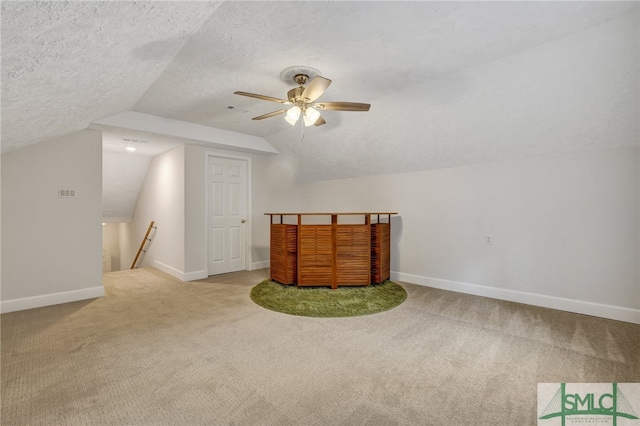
295	94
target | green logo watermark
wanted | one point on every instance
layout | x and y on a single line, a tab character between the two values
588	403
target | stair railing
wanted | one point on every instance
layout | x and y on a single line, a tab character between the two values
142	244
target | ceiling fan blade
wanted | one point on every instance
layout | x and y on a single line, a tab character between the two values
315	89
270	114
342	106
263	97
319	122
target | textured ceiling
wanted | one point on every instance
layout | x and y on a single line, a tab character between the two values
65	64
450	83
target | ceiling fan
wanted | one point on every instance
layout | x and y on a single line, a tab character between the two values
304	98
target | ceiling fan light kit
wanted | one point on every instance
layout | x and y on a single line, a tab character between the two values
311	116
304	98
292	115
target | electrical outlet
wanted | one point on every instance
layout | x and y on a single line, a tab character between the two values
66	193
488	240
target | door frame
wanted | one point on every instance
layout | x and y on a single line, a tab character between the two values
247	229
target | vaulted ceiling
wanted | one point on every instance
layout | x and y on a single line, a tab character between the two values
450	83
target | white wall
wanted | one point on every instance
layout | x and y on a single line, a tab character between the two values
173	195
127	244
111	244
195	236
162	200
275	189
118	239
52	246
565	229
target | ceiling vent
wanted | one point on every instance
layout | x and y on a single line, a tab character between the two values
237	109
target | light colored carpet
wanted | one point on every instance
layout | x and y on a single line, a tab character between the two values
155	351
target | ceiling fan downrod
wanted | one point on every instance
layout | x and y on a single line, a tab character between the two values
301	79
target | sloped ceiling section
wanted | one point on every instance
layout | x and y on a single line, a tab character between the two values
65	64
123	177
450	83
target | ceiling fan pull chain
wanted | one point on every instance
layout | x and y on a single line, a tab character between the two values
301	131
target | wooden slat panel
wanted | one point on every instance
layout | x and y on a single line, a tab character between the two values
353	244
283	253
380	252
292	255
331	255
314	255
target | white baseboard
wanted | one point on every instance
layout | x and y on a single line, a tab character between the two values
13	305
194	275
619	313
197	275
169	270
181	275
259	265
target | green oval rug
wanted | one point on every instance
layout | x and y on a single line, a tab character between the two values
325	302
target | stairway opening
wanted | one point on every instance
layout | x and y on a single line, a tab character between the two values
117	243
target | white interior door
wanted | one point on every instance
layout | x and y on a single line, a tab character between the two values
226	211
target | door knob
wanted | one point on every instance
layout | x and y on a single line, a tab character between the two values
242	221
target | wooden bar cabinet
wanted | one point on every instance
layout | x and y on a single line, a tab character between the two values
330	253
